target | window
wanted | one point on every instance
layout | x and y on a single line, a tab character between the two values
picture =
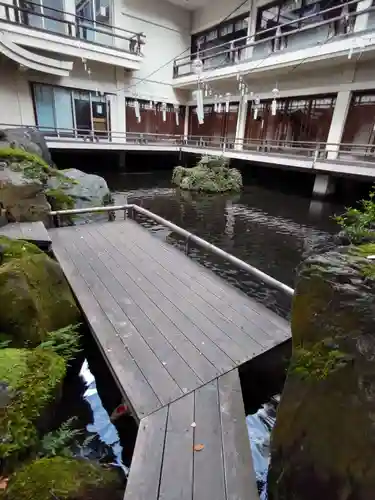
66	111
294	14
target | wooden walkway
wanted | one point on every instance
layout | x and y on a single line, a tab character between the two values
173	335
35	232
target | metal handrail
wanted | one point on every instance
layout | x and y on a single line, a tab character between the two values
254	39
220	143
281	26
111	30
190	237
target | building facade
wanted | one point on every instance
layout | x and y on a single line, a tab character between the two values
290	78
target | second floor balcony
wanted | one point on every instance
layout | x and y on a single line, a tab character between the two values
284	36
84	32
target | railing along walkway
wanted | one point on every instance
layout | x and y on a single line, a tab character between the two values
174	335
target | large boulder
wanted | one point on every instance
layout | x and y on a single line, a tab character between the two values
210	175
28	139
22	196
323	443
35	298
67	479
86	190
31	380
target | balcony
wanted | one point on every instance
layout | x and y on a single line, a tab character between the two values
338	30
66	33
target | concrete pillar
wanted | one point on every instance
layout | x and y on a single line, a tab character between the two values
251	27
241	123
362	20
118	110
122	160
337	124
186	123
324	185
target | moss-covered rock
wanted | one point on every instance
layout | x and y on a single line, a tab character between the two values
67	479
210	175
34	378
323	442
34	296
15	249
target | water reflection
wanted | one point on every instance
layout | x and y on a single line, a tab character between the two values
259	427
104	440
263	226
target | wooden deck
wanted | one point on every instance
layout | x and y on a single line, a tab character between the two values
35	232
173	335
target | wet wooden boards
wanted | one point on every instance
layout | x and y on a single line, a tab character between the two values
173	335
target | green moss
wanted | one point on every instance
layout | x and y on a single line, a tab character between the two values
318	361
15	249
66	478
34	377
211	175
59	200
34	299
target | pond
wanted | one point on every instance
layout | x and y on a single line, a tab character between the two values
267	225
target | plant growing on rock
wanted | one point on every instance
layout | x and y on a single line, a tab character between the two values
210	175
358	224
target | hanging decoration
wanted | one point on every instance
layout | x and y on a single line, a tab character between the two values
227	102
177	113
275	93
256	105
200	109
219	104
164	111
137	110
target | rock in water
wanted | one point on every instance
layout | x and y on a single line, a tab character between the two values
35	298
68	479
323	443
211	175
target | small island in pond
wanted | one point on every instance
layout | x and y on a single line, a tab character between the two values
212	174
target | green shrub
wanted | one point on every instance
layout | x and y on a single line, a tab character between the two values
359	223
211	175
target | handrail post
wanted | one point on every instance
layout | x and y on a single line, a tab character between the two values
187	245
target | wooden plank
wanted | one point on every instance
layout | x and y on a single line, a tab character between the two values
145	470
233	352
208	463
30	231
35	231
233	340
159	379
237	300
11	231
177	473
129	377
240	480
220	361
113	279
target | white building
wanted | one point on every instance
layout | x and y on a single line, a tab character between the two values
289	82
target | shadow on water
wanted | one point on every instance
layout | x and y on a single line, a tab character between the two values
262	381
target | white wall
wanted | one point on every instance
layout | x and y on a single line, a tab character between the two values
15	96
167	30
215	11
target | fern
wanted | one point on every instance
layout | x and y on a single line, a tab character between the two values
57	442
65	342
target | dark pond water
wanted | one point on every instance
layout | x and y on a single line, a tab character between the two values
267	227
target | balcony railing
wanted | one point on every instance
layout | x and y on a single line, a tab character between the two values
344	153
71	25
315	29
